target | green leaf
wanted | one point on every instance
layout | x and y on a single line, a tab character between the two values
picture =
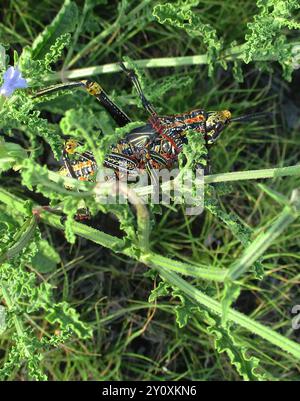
11	155
185	310
65	22
181	15
68	319
46	260
226	341
160	291
267	35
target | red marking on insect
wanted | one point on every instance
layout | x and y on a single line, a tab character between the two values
171	142
160	128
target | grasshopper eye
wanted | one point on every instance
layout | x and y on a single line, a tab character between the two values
218	126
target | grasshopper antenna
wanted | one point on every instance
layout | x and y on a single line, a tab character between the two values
252	116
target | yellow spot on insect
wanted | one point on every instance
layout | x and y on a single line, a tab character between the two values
93	88
63	171
70	146
226	114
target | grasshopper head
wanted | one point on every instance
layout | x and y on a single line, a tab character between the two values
215	123
218	120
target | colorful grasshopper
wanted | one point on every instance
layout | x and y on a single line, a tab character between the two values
153	146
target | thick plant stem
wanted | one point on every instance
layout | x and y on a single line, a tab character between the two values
88	187
231	54
253	174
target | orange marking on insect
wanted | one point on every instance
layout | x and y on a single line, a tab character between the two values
82	165
195	119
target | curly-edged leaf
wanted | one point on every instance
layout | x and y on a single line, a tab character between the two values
181	15
194	153
65	22
185	310
26	349
19	115
12	361
68	319
160	291
84	125
226	341
39	68
56	49
267	36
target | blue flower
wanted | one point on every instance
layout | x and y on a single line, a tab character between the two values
12	80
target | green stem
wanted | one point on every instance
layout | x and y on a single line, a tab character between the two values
115	67
231	54
253	174
142	191
155	260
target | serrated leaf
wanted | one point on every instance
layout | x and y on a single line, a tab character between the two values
267	34
68	319
65	22
181	15
225	341
185	310
160	291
